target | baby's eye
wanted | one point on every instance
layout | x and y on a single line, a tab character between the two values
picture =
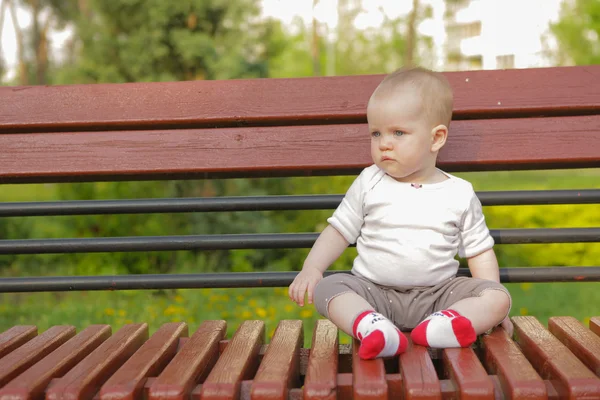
398	133
375	134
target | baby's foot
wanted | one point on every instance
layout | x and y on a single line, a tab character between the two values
444	329
378	336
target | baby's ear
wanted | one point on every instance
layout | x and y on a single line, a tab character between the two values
439	134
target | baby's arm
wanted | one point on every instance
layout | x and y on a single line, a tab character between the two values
485	266
327	248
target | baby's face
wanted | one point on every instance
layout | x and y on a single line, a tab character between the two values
401	135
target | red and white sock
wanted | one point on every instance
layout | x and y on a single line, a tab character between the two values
378	336
444	329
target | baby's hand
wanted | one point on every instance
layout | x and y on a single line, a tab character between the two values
305	281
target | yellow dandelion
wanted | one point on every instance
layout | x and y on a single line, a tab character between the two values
122	313
306	313
586	321
526	286
246	315
289	308
524	311
178	299
261	312
252	303
109	311
240	298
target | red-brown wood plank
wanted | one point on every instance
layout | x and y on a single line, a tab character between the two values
513	92
419	377
595	325
554	361
30	385
191	364
490	144
280	367
83	381
14	337
320	382
517	376
237	363
580	340
470	378
34	350
128	382
368	377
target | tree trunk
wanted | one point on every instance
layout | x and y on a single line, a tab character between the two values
411	35
316	54
21	65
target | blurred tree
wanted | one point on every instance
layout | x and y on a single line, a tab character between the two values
578	33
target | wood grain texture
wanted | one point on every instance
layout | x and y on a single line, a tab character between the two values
128	382
16	336
239	362
34	350
580	340
84	381
30	385
320	382
191	364
280	367
299	150
595	325
516	375
553	361
419	377
477	94
368	377
470	378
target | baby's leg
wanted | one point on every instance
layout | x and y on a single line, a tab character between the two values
351	302
466	308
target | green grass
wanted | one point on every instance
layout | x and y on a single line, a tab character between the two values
81	309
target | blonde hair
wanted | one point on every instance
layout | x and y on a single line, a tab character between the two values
436	93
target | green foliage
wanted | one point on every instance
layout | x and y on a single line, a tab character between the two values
578	32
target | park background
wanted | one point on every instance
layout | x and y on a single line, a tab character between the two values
55	42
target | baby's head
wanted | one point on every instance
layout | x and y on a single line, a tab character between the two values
409	114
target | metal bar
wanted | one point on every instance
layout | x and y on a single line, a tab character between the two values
256	241
266	203
254	279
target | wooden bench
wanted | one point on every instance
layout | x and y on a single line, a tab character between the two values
516	119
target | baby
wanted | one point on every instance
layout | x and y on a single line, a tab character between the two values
408	219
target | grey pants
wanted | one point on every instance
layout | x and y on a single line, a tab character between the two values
406	307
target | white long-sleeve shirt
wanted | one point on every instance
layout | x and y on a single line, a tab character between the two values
407	235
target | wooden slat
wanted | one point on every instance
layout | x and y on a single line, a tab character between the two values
516	375
34	350
470	378
191	364
490	144
595	325
394	383
321	376
30	385
554	361
368	377
83	381
419	377
128	382
15	337
239	362
580	340
280	367
477	93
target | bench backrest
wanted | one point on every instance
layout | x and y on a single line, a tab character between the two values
513	119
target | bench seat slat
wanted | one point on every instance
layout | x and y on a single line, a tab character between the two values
32	383
368	377
595	325
86	378
419	377
322	371
580	340
34	350
128	382
302	100
280	367
515	374
286	151
238	362
554	361
191	364
16	336
471	380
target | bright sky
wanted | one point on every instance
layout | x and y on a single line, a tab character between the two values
508	26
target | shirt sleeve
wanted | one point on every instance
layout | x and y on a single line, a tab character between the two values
347	219
474	234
